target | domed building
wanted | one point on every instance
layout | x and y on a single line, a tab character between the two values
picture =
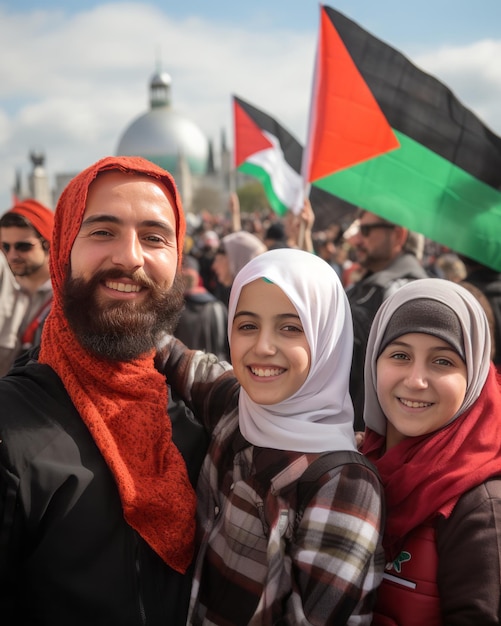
167	138
174	142
164	135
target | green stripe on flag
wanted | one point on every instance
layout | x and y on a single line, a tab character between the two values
415	187
251	169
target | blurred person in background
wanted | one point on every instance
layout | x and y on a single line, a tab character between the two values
274	236
25	238
203	321
449	266
235	251
488	281
325	243
204	251
389	255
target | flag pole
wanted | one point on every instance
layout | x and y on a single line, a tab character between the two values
306	157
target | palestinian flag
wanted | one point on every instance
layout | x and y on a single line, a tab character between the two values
395	141
265	150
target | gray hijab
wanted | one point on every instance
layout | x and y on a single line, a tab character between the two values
476	338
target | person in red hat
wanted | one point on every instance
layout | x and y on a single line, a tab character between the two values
25	238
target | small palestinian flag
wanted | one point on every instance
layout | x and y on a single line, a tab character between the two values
265	150
395	141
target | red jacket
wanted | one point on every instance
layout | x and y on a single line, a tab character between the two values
408	595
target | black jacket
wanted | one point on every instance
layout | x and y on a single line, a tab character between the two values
67	556
203	324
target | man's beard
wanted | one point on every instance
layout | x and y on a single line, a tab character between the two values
121	330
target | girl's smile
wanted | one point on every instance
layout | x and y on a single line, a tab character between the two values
421	384
269	351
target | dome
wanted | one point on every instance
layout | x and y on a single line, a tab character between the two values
163	135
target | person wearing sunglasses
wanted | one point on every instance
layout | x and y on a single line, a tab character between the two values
388	254
25	236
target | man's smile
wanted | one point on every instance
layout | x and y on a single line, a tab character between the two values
124	287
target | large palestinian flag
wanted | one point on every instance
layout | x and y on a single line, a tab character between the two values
392	139
267	151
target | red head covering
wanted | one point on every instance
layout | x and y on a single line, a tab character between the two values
425	476
73	200
124	404
38	215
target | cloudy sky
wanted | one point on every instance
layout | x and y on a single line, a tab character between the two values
74	74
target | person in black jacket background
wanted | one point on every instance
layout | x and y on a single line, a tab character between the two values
204	318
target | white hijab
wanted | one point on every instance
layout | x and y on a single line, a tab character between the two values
476	338
319	416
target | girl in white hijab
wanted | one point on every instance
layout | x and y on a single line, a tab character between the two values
262	559
319	415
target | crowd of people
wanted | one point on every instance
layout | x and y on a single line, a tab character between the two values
242	419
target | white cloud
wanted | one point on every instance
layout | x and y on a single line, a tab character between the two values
71	84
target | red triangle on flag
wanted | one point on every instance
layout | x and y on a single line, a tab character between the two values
248	137
347	125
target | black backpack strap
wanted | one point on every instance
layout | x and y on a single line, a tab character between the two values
308	483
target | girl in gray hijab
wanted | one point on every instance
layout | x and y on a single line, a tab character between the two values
432	410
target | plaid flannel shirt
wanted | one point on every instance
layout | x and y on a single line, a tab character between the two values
257	563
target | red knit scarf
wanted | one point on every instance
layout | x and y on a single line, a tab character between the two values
124	405
425	476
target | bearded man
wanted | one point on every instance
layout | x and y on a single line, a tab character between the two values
96	503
